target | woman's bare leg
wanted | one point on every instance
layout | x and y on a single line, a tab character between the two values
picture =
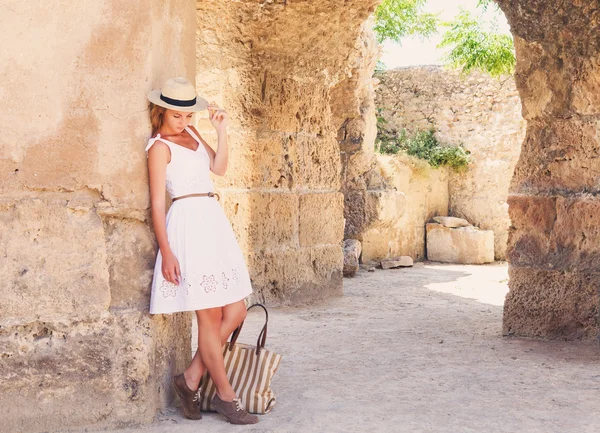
233	315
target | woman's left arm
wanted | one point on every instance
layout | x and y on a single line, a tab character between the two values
219	164
219	119
218	159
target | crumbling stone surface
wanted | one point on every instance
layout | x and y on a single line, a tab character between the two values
389	215
278	68
553	248
352	251
451	222
397	262
463	245
479	112
77	346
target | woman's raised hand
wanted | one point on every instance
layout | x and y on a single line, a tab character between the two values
170	268
218	117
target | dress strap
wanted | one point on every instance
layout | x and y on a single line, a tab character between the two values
154	140
193	134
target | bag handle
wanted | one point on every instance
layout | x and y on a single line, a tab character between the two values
262	337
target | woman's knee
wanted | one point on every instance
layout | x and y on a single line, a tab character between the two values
235	313
210	318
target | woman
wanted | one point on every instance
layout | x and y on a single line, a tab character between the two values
199	266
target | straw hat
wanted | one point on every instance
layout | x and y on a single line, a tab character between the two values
178	94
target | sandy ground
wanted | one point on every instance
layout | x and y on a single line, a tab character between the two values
416	350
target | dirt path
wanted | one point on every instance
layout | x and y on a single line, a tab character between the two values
417	350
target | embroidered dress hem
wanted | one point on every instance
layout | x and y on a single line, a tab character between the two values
162	309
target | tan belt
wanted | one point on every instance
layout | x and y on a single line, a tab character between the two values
203	194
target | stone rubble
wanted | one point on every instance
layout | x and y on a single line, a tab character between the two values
352	250
397	262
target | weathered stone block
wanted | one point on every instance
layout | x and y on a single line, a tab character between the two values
566	162
131	255
352	250
297	276
316	162
245	165
325	264
554	277
465	245
451	222
354	212
321	219
108	370
351	135
397	262
558	233
533	220
551	304
55	261
274	219
384	208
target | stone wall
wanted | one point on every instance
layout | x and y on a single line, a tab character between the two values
275	66
407	194
482	113
554	243
387	199
76	341
77	346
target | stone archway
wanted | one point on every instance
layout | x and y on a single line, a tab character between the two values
554	242
276	66
76	342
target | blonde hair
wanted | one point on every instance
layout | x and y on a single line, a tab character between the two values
157	117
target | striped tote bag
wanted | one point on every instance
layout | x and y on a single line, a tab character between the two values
249	370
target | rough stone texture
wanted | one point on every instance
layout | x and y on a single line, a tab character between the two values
277	68
553	248
389	215
397	262
452	222
352	251
77	346
464	245
480	112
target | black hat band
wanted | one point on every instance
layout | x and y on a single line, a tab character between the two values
177	102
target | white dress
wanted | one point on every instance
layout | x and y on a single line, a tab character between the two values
213	269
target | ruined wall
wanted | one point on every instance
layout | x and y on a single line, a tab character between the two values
401	195
275	66
387	199
554	242
77	346
482	113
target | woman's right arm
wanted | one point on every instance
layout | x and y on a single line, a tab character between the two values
158	157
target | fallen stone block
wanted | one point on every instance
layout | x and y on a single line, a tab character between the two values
452	222
352	250
397	262
464	245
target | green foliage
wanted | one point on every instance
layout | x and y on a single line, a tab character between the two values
474	48
485	4
395	19
424	145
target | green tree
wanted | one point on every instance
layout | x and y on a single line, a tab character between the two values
472	47
484	4
470	44
395	19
